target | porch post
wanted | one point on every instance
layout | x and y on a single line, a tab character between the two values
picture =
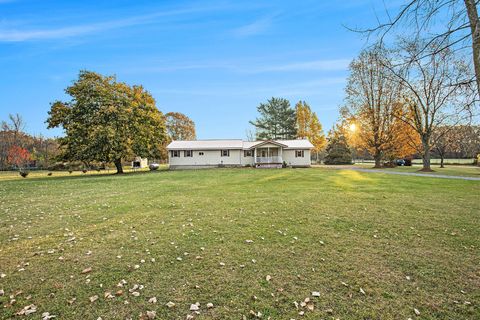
268	154
254	156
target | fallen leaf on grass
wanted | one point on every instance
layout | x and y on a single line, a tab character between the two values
152	300
310	306
31	308
195	307
87	270
47	316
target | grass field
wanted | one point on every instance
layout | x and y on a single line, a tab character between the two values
374	246
449	170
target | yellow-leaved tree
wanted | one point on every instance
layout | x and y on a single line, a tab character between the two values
309	127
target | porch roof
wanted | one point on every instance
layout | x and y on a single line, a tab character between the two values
257	144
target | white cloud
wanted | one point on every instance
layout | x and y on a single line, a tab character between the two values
316	87
256	27
314	65
245	68
18	35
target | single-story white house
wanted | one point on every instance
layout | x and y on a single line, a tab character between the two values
237	153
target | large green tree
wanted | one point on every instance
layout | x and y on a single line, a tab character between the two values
277	120
107	121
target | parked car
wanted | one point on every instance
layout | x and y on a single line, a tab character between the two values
400	162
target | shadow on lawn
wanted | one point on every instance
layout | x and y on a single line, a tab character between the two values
83	176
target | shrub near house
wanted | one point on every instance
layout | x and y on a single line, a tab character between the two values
338	151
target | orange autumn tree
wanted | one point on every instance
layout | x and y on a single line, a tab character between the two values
407	141
179	126
371	98
403	141
18	156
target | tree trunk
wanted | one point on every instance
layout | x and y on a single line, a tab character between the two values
441	161
378	158
426	154
118	165
378	161
475	28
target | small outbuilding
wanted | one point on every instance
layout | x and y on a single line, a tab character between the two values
139	163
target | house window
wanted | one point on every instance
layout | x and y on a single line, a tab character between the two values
188	153
200	153
248	153
175	153
299	154
225	153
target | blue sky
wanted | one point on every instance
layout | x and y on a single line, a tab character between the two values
215	61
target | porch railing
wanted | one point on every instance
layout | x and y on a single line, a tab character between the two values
274	159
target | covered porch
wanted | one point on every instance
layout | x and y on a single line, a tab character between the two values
268	155
268	152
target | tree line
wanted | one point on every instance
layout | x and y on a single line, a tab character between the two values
419	92
106	121
17	148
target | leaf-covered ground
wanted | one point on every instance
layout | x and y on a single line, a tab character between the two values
256	243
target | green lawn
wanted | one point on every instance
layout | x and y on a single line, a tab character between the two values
406	242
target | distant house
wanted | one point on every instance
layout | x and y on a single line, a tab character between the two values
237	153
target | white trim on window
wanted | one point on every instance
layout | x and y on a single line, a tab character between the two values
224	153
175	153
188	153
299	153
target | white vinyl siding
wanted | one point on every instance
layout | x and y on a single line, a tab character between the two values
290	158
209	158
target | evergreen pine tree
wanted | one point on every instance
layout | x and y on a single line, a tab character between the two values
338	151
